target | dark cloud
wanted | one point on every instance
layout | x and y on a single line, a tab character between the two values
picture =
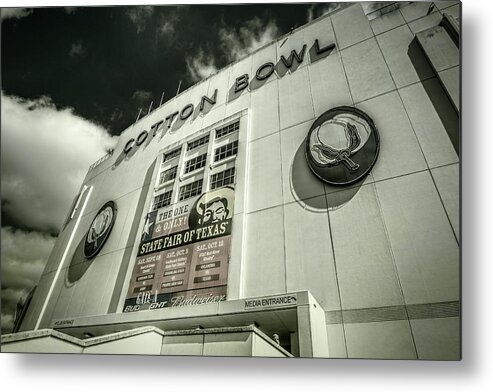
7	322
24	255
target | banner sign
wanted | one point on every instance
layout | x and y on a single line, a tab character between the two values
183	255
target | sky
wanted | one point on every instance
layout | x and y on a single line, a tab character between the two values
74	78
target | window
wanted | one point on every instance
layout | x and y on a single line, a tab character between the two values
171	155
190	190
197	143
195	163
230	128
162	200
168	175
223	178
226	151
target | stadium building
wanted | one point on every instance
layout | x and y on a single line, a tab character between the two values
303	201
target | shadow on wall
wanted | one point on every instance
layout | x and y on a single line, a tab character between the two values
303	183
438	97
78	265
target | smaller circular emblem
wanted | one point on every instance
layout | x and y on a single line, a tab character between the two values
342	145
99	230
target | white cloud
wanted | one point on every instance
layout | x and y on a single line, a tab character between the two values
167	28
139	15
142	97
319	9
200	66
169	20
15	13
253	35
141	94
24	255
76	49
45	155
116	115
235	45
70	10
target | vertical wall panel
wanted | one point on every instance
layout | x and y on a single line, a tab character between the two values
430	128
265	111
365	268
422	241
295	100
328	84
437	339
351	26
310	267
399	149
395	47
264	178
265	265
447	181
366	70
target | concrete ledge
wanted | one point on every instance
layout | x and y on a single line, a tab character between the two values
186	317
27	337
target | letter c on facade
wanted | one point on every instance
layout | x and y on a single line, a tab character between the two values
129	146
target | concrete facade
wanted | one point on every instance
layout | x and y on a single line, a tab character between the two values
380	257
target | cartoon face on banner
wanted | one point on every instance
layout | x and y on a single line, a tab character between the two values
183	256
212	207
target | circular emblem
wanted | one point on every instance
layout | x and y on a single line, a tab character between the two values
342	145
100	230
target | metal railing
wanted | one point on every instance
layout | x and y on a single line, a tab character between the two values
102	159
